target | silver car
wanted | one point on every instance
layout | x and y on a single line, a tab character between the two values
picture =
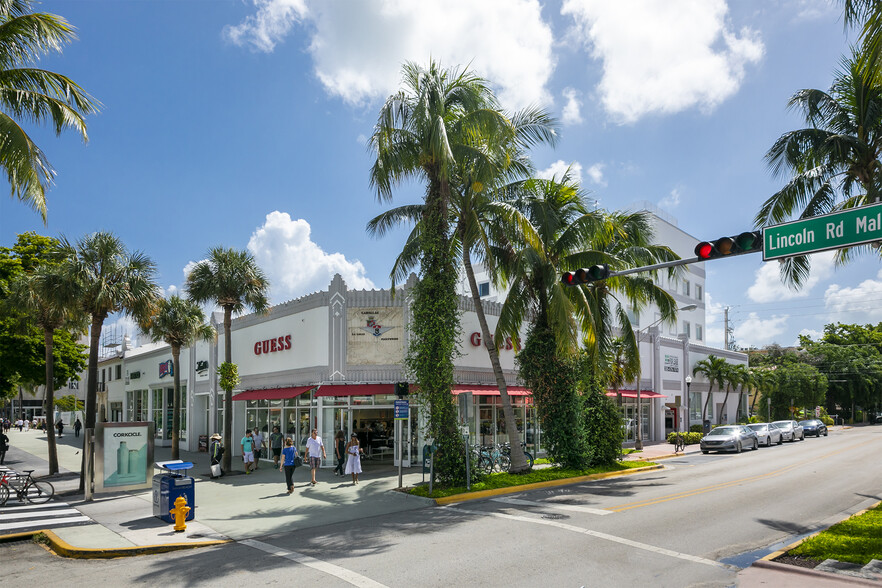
791	430
729	438
767	433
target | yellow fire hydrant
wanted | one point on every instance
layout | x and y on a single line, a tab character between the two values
180	512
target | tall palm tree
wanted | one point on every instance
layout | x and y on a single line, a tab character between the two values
179	322
441	122
834	163
233	280
36	95
47	297
714	369
619	367
731	378
742	380
107	279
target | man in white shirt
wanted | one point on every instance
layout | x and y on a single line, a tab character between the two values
315	451
258	448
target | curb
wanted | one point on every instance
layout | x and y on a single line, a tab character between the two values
62	548
810	573
539	485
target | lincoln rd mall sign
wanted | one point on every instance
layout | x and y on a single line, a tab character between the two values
855	226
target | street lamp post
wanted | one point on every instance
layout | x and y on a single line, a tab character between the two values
638	443
688	400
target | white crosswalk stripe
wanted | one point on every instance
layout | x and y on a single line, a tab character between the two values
20	517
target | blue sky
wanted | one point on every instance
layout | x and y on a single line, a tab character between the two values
242	123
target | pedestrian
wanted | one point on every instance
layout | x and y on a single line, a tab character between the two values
77	426
60	426
275	441
339	452
19	423
4	446
353	461
314	447
289	455
248	451
216	452
258	448
27	425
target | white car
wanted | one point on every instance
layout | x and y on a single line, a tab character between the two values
767	433
791	430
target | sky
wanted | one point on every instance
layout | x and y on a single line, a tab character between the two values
245	124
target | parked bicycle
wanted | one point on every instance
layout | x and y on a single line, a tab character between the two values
26	488
679	443
491	458
506	448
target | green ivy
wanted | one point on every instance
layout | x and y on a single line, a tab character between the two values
603	421
229	375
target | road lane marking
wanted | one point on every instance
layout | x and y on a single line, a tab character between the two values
604	536
349	576
556	505
730	483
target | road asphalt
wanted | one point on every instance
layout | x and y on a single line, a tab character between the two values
240	507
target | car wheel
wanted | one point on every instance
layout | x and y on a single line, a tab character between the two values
738	447
704	451
802	437
780	439
818	434
755	444
768	441
825	433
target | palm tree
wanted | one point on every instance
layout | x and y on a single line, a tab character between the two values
731	378
233	280
36	95
178	322
742	379
714	369
833	163
619	367
46	296
441	123
107	279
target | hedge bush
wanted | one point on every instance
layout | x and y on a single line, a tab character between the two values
691	437
696	429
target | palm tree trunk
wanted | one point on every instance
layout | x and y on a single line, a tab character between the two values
723	406
49	402
228	393
176	403
518	459
710	394
91	388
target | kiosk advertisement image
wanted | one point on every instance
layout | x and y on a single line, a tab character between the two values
123	456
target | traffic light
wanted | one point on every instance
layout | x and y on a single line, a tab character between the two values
749	242
586	275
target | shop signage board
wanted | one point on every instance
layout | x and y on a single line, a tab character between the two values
123	456
846	228
401	409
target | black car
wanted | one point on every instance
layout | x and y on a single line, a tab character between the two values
814	427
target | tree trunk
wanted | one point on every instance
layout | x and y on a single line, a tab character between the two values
176	404
49	402
723	406
228	393
91	388
518	459
710	394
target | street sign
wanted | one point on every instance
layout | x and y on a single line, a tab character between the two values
401	410
817	412
846	228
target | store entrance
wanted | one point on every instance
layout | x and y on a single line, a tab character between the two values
376	433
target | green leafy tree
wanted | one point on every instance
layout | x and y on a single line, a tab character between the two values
109	279
853	373
178	322
795	384
34	95
603	421
834	162
69	403
232	280
714	369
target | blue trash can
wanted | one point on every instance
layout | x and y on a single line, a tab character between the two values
171	484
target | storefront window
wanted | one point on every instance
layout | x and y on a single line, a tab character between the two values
183	431
695	407
158	428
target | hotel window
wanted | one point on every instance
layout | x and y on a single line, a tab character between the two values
698	332
698	291
685	288
687	328
119	371
484	289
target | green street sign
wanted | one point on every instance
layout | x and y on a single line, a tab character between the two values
855	226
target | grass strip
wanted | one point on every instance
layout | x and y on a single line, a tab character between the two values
855	540
505	480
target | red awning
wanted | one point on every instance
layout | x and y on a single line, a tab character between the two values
355	389
633	394
491	390
273	393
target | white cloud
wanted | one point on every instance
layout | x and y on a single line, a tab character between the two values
361	139
672	200
758	332
861	304
595	172
571	114
557	169
171	291
662	56
505	41
269	25
813	333
294	264
768	287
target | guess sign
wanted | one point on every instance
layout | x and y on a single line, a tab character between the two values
272	345
475	340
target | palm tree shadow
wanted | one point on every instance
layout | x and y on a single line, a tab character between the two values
787	527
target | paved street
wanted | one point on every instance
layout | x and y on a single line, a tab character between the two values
697	522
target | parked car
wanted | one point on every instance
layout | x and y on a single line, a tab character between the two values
729	438
767	433
876	419
814	427
791	430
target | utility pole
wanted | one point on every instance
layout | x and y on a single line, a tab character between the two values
726	328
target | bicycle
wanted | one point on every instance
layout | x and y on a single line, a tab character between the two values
506	449
26	488
679	443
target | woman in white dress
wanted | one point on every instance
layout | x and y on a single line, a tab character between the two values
353	459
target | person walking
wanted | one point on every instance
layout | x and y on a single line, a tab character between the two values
289	455
353	459
4	446
339	452
258	448
60	426
77	426
275	442
216	452
19	423
315	451
248	451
